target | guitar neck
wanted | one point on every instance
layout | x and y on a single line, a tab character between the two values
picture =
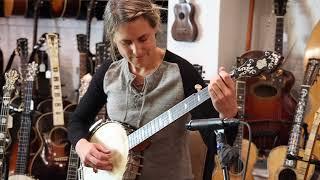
278	44
167	118
73	164
3	125
294	139
24	131
241	90
83	64
57	105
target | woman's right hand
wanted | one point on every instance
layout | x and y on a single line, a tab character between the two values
94	155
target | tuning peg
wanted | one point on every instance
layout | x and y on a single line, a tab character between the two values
198	87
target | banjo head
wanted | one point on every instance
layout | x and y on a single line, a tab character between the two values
113	136
19	177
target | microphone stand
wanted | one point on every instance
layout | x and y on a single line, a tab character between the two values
220	138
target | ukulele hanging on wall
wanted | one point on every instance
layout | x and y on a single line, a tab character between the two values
184	27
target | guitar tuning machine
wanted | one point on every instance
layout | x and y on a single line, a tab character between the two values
198	87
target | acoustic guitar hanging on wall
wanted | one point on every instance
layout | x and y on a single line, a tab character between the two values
184	27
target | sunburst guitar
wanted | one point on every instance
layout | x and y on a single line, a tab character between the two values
121	144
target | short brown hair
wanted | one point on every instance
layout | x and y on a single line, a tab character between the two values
123	11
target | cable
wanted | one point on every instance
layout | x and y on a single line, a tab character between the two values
248	152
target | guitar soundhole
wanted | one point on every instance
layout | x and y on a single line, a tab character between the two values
236	167
59	136
181	15
287	174
265	91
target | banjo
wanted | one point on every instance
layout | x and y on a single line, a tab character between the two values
115	136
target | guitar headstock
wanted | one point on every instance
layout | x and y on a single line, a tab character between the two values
268	62
40	41
32	70
90	10
52	40
280	7
22	47
101	53
82	42
11	77
311	72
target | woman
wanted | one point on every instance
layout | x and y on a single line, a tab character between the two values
146	82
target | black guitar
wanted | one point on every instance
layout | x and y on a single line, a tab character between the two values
184	27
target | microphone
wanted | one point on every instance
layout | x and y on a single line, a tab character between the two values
212	123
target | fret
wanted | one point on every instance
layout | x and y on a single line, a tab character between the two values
73	164
25	127
304	165
57	104
241	89
294	139
248	69
170	116
57	107
56	79
278	45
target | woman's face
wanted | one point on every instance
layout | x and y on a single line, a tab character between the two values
136	41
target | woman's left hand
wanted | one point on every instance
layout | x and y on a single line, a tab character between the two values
223	94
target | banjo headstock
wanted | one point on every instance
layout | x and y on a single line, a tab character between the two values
267	62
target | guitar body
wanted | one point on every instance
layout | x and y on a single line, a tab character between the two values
51	159
45	106
71	8
269	107
314	103
184	27
83	8
276	169
8	7
235	173
1	9
20	7
44	11
57	7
